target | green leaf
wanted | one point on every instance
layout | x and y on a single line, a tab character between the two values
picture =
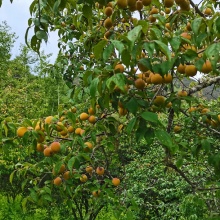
118	45
165	139
217	23
56	6
47	197
42	35
11	176
71	163
118	79
126	57
98	49
130	125
164	48
150	116
132	105
149	47
175	43
93	87
134	33
196	23
58	166
144	24
108	51
87	11
145	62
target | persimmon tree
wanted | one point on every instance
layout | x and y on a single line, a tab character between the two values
126	64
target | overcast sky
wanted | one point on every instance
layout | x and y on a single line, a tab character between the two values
17	15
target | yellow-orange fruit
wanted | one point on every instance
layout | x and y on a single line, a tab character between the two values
61	170
73	109
205	110
154	11
78	130
116	181
91	111
146	2
108	11
207	67
177	129
139	83
70	129
167	10
47	152
122	111
62	117
83	178
152	18
218	118
64	132
182	93
119	67
169	104
40	147
92	119
181	68
100	171
96	193
84	116
59	126
82	132
167	25
186	35
89	145
122	3
57	181
66	175
39	126
190	70
89	169
48	120
167	78
188	26
41	137
108	23
159	100
131	2
55	146
139	5
156	79
168	3
192	109
207	11
21	131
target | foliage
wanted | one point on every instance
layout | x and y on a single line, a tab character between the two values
126	74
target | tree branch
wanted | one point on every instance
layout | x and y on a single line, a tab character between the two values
196	8
204	85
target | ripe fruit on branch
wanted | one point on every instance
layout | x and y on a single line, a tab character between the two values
91	111
207	67
122	111
84	116
48	120
154	11
61	170
168	3
83	178
55	146
108	23
159	100
177	129
48	152
131	2
108	11
66	175
139	83
21	131
100	171
92	119
89	169
96	193
182	93
186	35
139	5
146	2
122	3
89	145
78	130
167	78
59	126
156	78
181	68
64	132
40	147
190	70
57	181
119	67
116	181
70	129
